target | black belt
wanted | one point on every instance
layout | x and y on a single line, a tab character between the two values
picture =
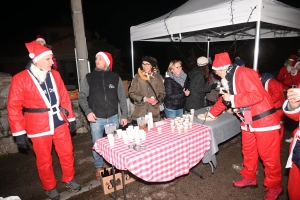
38	110
264	114
279	108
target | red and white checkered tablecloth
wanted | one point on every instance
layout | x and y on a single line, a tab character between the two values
166	156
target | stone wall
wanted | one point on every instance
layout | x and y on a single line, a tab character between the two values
7	143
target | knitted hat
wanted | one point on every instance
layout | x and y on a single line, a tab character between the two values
239	62
37	51
107	57
222	61
40	38
202	61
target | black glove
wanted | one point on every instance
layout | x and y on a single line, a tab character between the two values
226	103
22	141
72	126
213	86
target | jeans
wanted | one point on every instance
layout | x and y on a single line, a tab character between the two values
97	129
173	113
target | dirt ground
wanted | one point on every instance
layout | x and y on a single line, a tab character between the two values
19	177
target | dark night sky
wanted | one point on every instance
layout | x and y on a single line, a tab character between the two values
19	20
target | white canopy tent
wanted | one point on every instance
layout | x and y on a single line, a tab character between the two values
221	20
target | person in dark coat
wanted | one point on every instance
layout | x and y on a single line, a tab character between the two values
175	87
198	86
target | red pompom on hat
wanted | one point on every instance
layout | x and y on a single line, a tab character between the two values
221	61
37	51
107	57
40	38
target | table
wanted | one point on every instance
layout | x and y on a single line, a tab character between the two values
166	156
223	128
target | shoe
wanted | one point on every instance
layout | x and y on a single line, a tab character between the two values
98	172
53	194
245	182
289	140
273	193
73	185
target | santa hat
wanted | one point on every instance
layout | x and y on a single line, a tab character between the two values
37	51
107	57
40	38
221	61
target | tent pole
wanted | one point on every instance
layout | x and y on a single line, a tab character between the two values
132	60
208	39
256	47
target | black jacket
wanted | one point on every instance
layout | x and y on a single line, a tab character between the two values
198	86
175	97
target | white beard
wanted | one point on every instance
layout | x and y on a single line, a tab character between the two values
38	73
225	84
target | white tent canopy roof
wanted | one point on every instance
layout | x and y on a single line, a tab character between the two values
221	20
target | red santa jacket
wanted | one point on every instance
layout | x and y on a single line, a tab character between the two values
274	88
249	92
286	79
25	92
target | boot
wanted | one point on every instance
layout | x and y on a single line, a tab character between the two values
53	194
273	193
245	182
73	185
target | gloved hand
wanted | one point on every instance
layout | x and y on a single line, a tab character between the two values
227	103
72	126
22	141
213	86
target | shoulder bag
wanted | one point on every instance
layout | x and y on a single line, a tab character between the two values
162	105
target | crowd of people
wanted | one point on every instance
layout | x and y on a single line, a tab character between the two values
39	108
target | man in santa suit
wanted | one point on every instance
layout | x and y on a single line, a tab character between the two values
275	90
35	100
260	123
291	108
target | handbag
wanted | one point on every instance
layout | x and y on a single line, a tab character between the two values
162	105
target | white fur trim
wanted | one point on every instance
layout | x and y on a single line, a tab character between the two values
37	58
221	67
41	39
38	73
289	161
31	55
104	56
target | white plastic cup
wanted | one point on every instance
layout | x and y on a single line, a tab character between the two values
159	130
137	138
172	121
130	126
119	131
192	111
129	133
191	118
124	133
125	138
142	134
183	116
179	129
190	124
172	129
111	139
185	129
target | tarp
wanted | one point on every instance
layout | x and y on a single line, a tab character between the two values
221	20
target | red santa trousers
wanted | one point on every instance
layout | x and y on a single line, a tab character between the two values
266	145
42	147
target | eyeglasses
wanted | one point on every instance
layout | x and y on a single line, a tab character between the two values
146	64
